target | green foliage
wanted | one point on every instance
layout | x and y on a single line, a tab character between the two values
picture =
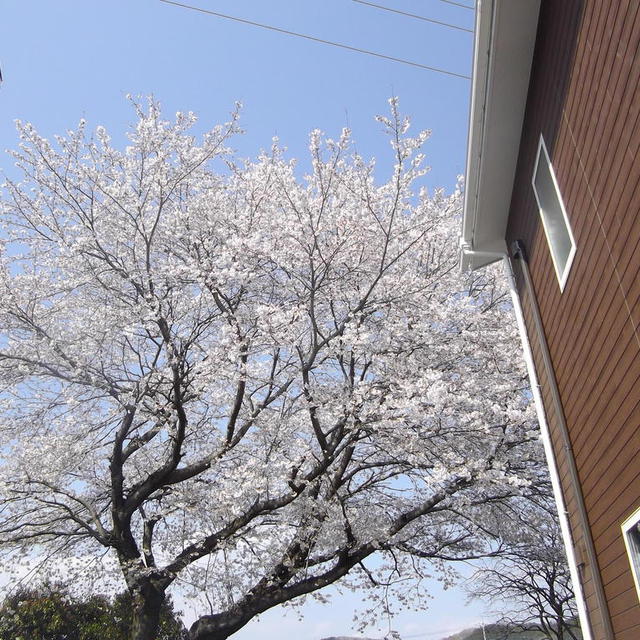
50	613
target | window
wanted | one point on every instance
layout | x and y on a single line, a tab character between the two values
631	533
553	214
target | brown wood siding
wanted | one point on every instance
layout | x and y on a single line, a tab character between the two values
584	99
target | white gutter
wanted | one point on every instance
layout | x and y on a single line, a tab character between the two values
548	449
483	32
505	35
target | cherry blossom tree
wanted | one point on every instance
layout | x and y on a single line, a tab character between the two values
220	376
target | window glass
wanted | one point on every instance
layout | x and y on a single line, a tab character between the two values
553	214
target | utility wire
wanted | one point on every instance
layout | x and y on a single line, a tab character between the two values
413	15
457	4
302	35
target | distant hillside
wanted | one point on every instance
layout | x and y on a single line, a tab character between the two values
491	632
347	638
496	632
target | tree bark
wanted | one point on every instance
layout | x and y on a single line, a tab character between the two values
147	602
218	627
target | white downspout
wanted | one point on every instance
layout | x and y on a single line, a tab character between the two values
544	430
548	449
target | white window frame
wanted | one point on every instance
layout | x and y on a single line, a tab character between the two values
633	549
562	272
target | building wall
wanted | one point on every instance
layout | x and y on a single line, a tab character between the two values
585	100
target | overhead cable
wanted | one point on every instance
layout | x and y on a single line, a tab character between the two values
458	4
314	39
413	15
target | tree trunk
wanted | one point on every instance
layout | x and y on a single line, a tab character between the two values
147	602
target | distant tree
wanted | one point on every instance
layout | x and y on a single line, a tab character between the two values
35	615
244	382
532	577
50	613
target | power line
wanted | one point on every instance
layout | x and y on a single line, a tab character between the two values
457	4
312	38
413	15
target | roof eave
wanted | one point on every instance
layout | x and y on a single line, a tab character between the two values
504	43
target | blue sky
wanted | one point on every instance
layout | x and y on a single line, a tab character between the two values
73	59
69	59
